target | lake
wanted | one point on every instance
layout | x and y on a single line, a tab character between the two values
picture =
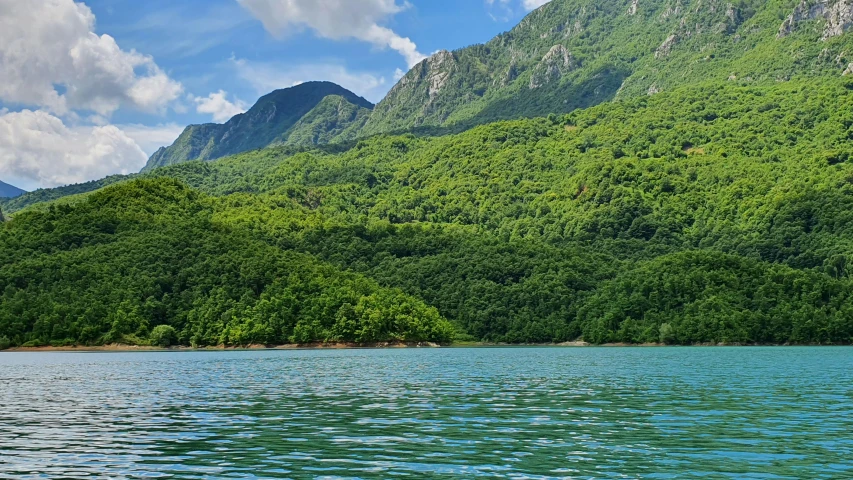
430	413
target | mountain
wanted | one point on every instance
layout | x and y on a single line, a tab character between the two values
9	191
316	112
565	55
686	178
571	54
713	213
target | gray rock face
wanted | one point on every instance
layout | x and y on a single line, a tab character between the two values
666	47
439	68
556	63
632	10
838	15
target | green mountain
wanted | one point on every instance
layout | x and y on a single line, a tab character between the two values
572	54
567	54
706	214
307	114
715	210
10	191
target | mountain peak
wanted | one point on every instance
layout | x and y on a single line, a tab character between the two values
268	122
10	191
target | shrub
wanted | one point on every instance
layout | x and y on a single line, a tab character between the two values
163	336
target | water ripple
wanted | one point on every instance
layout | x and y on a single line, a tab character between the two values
525	413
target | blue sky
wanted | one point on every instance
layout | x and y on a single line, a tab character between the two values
96	86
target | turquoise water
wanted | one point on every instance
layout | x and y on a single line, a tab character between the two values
431	413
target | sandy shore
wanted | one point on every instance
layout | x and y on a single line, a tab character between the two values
139	348
342	346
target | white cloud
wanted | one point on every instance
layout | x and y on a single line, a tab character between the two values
534	4
50	43
507	9
268	76
219	107
337	20
38	150
151	138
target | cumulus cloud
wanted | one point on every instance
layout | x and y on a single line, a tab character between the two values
45	44
219	107
38	150
268	76
337	20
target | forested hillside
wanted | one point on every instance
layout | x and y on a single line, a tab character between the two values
711	201
709	213
145	262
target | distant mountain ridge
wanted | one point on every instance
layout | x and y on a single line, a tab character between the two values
309	113
10	191
565	55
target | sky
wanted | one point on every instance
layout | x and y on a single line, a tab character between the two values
92	88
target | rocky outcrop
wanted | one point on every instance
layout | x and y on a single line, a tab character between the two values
439	67
838	15
666	47
510	75
556	63
632	10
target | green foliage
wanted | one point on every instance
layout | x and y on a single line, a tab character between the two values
5	343
44	195
334	119
716	211
711	297
145	254
164	336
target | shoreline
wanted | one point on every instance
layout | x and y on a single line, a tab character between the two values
221	348
118	348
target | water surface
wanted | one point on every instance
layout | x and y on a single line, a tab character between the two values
433	413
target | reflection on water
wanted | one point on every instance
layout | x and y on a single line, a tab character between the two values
500	413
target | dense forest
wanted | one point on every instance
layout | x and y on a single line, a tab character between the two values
686	178
148	254
714	213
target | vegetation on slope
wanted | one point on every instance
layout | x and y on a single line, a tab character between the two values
566	55
718	210
146	254
712	213
572	54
